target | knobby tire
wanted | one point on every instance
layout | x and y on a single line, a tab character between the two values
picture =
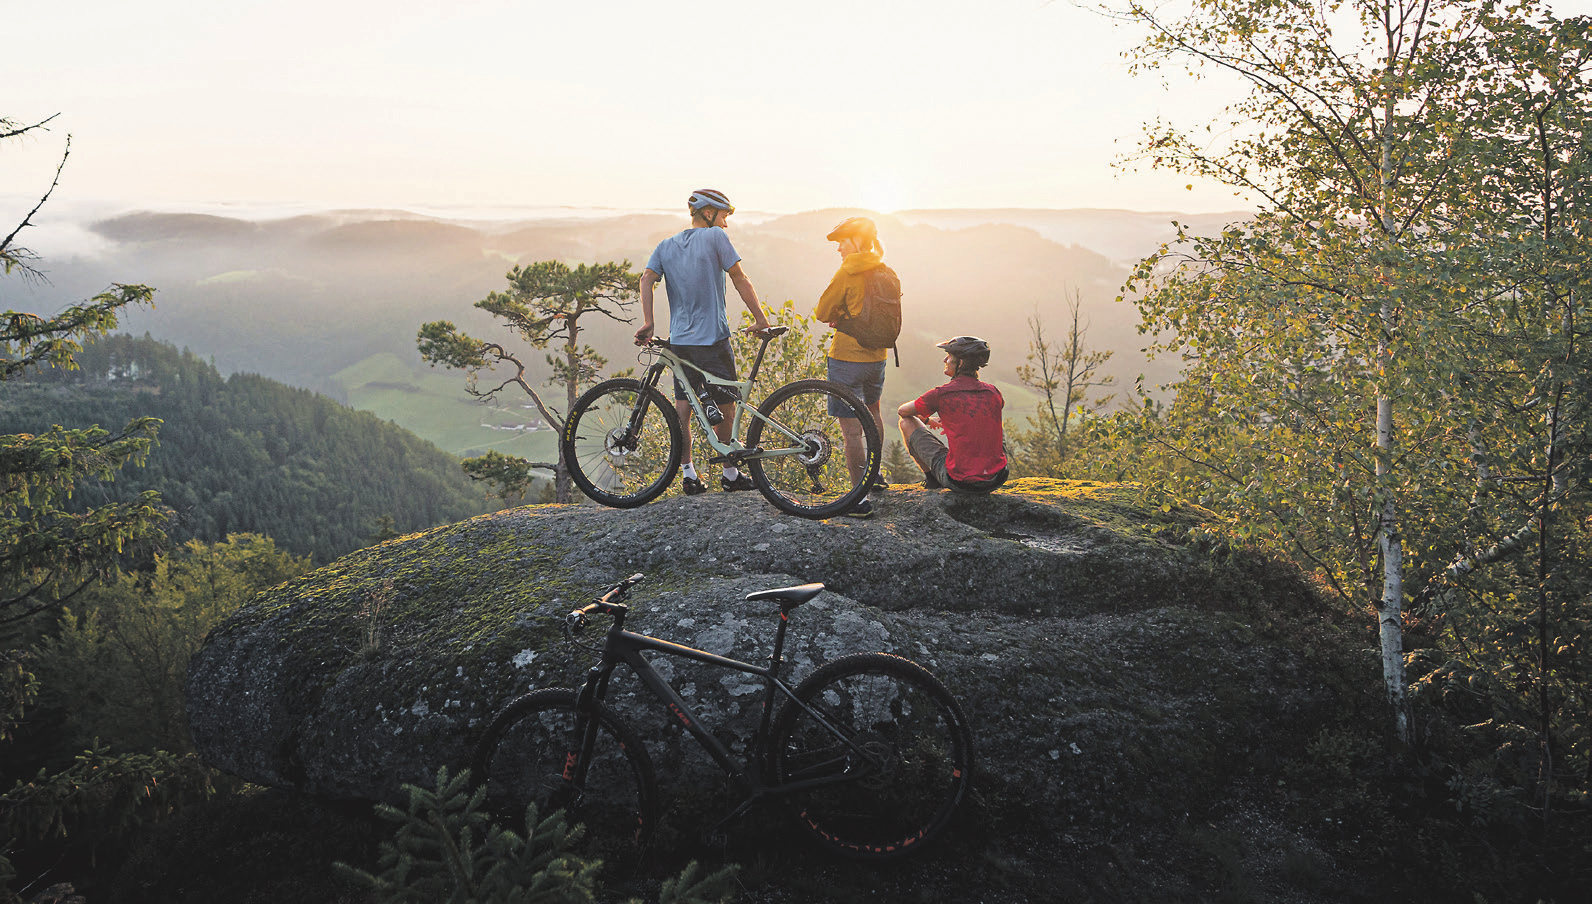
525	753
815	481
907	722
611	463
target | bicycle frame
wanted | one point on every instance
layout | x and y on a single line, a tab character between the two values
624	646
732	451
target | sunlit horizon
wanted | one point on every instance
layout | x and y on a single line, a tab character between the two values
498	104
1021	105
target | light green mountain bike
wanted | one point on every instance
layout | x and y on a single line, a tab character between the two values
623	440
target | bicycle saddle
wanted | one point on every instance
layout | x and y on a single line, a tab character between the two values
788	597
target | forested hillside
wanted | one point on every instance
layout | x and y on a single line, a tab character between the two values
245	454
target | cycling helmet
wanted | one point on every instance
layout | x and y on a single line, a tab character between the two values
708	197
971	349
854	228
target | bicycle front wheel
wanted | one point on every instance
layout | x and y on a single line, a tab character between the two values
622	444
530	754
802	469
882	761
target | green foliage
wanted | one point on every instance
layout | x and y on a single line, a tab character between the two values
1382	364
798	355
101	801
51	553
242	454
510	476
19	687
114	667
446	850
48	550
1386	378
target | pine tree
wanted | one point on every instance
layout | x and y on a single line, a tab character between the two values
447	851
544	303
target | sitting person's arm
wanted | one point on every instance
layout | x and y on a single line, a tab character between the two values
908	412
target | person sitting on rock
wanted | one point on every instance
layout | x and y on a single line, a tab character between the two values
973	456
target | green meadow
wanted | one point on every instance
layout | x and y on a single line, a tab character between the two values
433	404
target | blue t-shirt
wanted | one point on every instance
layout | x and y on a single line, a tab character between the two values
692	265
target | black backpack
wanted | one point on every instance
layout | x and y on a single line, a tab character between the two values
878	324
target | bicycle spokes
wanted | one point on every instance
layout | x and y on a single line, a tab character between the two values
801	432
622	443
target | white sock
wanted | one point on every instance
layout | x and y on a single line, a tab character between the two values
689	471
731	472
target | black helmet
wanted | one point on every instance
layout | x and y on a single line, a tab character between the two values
708	197
971	349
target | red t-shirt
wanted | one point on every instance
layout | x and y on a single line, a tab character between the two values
970	412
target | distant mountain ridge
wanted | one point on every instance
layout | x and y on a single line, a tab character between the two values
304	298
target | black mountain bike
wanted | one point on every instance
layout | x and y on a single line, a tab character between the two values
623	439
871	754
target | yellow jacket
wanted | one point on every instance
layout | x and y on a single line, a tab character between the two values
844	295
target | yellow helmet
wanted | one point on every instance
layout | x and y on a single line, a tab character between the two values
854	228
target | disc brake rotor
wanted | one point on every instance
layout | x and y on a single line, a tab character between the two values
618	447
818	449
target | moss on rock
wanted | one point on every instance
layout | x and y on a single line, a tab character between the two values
1110	667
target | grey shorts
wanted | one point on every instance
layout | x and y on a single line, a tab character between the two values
929	451
717	359
865	378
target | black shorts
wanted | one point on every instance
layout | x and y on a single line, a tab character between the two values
717	359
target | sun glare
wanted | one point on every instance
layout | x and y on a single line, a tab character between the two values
881	193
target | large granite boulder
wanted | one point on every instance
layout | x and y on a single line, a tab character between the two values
1111	668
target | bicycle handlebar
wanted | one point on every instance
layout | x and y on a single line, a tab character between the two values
610	603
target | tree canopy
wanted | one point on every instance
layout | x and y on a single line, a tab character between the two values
544	304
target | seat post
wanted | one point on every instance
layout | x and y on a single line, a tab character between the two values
767	336
779	637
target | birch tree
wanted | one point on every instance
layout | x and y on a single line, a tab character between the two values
1511	587
1331	338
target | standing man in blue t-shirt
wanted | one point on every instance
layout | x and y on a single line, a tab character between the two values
692	265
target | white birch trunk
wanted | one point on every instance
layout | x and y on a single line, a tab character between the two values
1391	613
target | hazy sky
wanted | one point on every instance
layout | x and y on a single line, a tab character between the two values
888	104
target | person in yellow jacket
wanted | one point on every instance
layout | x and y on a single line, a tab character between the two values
857	367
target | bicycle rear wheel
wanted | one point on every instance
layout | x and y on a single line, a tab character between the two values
529	755
914	764
803	469
622	445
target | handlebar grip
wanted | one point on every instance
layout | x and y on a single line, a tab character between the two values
575	622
